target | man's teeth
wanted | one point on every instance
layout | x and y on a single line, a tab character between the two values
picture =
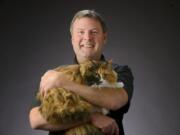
88	45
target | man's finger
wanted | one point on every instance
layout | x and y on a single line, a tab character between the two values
116	130
113	130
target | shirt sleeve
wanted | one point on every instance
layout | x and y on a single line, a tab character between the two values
125	75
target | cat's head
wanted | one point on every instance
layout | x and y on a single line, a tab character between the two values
94	72
88	70
106	72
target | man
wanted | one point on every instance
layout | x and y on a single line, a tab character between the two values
88	36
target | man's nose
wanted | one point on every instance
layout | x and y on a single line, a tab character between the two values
88	36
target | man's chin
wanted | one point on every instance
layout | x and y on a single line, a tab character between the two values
91	57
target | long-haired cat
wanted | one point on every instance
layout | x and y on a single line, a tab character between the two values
61	106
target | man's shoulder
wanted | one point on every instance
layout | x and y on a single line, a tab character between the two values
119	67
123	70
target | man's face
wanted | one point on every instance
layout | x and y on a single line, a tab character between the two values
88	38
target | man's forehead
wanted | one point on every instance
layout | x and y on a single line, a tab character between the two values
89	23
85	28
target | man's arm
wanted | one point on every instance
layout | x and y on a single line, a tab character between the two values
38	122
110	98
105	123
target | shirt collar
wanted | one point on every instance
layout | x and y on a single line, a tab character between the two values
76	62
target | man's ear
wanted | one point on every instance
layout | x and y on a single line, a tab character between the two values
71	39
105	37
71	36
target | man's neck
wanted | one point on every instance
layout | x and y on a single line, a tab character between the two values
80	59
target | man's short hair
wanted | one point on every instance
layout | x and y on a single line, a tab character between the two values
90	14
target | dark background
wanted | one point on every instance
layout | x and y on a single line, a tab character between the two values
34	37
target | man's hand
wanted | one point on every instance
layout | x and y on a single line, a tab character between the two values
51	79
107	125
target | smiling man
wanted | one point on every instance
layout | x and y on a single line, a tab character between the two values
88	36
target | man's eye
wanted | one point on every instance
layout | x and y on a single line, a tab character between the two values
80	32
94	32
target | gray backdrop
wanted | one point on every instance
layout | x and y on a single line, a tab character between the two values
34	37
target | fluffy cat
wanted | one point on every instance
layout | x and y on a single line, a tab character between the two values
61	106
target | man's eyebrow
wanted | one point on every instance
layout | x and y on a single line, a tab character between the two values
90	29
95	29
80	28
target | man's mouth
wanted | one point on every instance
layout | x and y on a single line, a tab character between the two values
88	44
